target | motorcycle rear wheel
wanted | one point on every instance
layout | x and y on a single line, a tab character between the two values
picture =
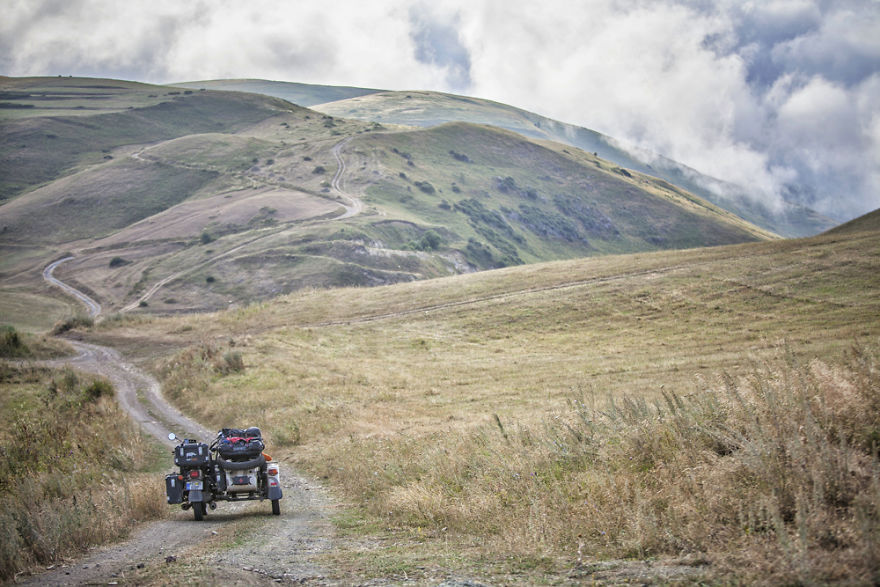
198	511
276	507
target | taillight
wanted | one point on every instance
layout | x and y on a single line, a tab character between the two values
194	474
272	471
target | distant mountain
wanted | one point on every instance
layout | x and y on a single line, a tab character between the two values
175	199
425	109
301	94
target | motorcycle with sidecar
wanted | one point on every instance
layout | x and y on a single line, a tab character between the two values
232	468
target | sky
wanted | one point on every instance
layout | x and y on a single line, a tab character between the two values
779	96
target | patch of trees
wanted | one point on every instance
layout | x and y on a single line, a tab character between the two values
508	185
405	155
429	241
546	224
460	157
594	221
492	226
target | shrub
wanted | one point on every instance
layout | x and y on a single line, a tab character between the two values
232	362
97	389
71	323
429	241
460	157
425	187
319	169
118	262
11	343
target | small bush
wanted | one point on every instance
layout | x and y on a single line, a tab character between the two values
429	241
206	237
72	323
232	362
319	170
460	157
425	187
118	262
11	343
97	389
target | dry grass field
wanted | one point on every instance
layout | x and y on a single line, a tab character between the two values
716	406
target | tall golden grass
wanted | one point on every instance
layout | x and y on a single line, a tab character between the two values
73	468
773	476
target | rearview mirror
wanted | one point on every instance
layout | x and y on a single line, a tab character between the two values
171	436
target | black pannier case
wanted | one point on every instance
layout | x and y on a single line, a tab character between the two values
191	454
173	489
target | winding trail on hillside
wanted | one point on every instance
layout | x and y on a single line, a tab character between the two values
92	307
357	205
280	549
354	207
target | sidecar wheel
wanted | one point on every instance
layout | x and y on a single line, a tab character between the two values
276	507
198	511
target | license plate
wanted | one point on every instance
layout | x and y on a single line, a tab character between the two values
243	480
196	485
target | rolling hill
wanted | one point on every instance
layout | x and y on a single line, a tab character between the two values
426	109
174	199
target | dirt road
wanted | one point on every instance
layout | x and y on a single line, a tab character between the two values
93	307
237	544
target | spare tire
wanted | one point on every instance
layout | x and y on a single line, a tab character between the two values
241	465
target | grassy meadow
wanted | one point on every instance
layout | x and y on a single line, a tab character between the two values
716	406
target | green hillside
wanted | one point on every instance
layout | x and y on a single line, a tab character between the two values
195	199
426	109
433	108
521	201
57	137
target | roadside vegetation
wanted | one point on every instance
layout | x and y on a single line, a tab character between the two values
75	471
716	408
